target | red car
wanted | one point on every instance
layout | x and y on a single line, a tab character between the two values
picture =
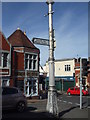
76	91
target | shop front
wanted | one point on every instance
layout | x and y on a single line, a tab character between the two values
31	87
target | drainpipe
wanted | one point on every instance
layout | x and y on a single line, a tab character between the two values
10	60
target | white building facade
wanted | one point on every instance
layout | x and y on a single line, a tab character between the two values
64	73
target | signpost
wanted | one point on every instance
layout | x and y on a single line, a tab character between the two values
52	106
80	83
40	41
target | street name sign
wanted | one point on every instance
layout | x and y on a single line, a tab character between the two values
40	41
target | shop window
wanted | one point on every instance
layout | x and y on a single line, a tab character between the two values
20	84
5	82
31	87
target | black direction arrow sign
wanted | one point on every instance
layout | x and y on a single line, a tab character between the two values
40	41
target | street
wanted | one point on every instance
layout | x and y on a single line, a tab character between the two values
75	100
68	108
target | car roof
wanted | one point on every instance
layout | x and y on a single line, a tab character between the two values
10	87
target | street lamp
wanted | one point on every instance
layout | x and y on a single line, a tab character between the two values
52	94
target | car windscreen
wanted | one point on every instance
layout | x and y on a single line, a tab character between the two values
6	91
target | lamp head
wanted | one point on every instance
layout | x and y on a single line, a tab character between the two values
49	1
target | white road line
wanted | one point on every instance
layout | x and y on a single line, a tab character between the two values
59	100
77	104
70	102
69	96
89	107
64	101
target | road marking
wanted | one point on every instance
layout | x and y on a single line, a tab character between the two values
69	96
77	104
70	102
89	107
59	100
64	101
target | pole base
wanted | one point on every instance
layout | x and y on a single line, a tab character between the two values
52	106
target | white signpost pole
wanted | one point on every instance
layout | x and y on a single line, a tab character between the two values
52	95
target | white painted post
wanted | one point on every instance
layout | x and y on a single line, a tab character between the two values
52	95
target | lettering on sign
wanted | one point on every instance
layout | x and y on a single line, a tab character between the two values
40	41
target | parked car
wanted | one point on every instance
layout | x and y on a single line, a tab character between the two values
12	97
76	91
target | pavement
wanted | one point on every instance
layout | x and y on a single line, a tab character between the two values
37	110
65	110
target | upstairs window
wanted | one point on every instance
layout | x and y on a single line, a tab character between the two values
4	60
67	68
0	59
31	61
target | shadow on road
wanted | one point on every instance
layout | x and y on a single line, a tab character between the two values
66	111
30	113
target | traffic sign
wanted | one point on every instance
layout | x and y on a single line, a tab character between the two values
40	41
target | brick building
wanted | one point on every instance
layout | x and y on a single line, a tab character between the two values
25	63
67	73
88	79
5	61
85	72
21	63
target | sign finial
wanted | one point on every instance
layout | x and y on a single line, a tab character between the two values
49	1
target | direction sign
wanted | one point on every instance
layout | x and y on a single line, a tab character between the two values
40	41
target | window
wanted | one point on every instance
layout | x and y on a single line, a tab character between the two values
31	88
4	60
31	61
77	88
71	88
67	68
7	91
34	86
5	82
20	84
0	59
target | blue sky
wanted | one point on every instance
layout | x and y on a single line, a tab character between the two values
70	21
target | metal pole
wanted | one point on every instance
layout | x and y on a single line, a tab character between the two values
80	83
62	85
52	95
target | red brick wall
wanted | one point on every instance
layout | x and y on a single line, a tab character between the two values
88	79
5	45
19	61
11	82
76	73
